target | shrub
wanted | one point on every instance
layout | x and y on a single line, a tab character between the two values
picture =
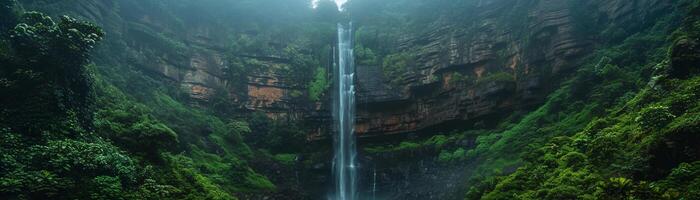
438	140
152	190
105	187
615	188
365	56
459	78
319	85
445	156
408	146
563	192
286	159
238	129
496	77
76	158
135	131
688	124
396	65
459	154
685	177
654	117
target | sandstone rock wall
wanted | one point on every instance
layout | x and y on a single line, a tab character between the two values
188	53
535	42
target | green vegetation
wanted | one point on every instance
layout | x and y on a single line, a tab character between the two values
275	136
319	85
286	159
654	117
72	131
152	105
495	78
46	115
456	156
619	128
396	65
436	142
604	148
459	78
365	56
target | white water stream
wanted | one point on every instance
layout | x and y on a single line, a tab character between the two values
345	162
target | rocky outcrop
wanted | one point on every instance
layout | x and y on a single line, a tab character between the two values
187	52
685	58
466	73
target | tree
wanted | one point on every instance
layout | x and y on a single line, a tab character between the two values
49	83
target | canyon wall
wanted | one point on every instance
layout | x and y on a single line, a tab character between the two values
190	49
468	68
495	57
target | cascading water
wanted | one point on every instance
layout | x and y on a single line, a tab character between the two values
374	184
344	163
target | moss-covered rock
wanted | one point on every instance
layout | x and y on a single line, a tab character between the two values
685	57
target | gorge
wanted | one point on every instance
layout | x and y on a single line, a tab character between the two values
285	99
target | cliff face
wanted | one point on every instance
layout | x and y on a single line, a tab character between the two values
191	49
479	64
468	67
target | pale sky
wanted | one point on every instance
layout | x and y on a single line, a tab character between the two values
339	2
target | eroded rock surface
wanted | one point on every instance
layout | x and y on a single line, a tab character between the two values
510	62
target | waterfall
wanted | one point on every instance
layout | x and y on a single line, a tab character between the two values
374	184
344	162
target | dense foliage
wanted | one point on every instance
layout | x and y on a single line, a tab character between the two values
71	133
637	147
48	144
84	116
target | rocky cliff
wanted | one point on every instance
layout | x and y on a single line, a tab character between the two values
469	66
494	57
191	48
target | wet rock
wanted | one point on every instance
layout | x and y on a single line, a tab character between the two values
685	58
